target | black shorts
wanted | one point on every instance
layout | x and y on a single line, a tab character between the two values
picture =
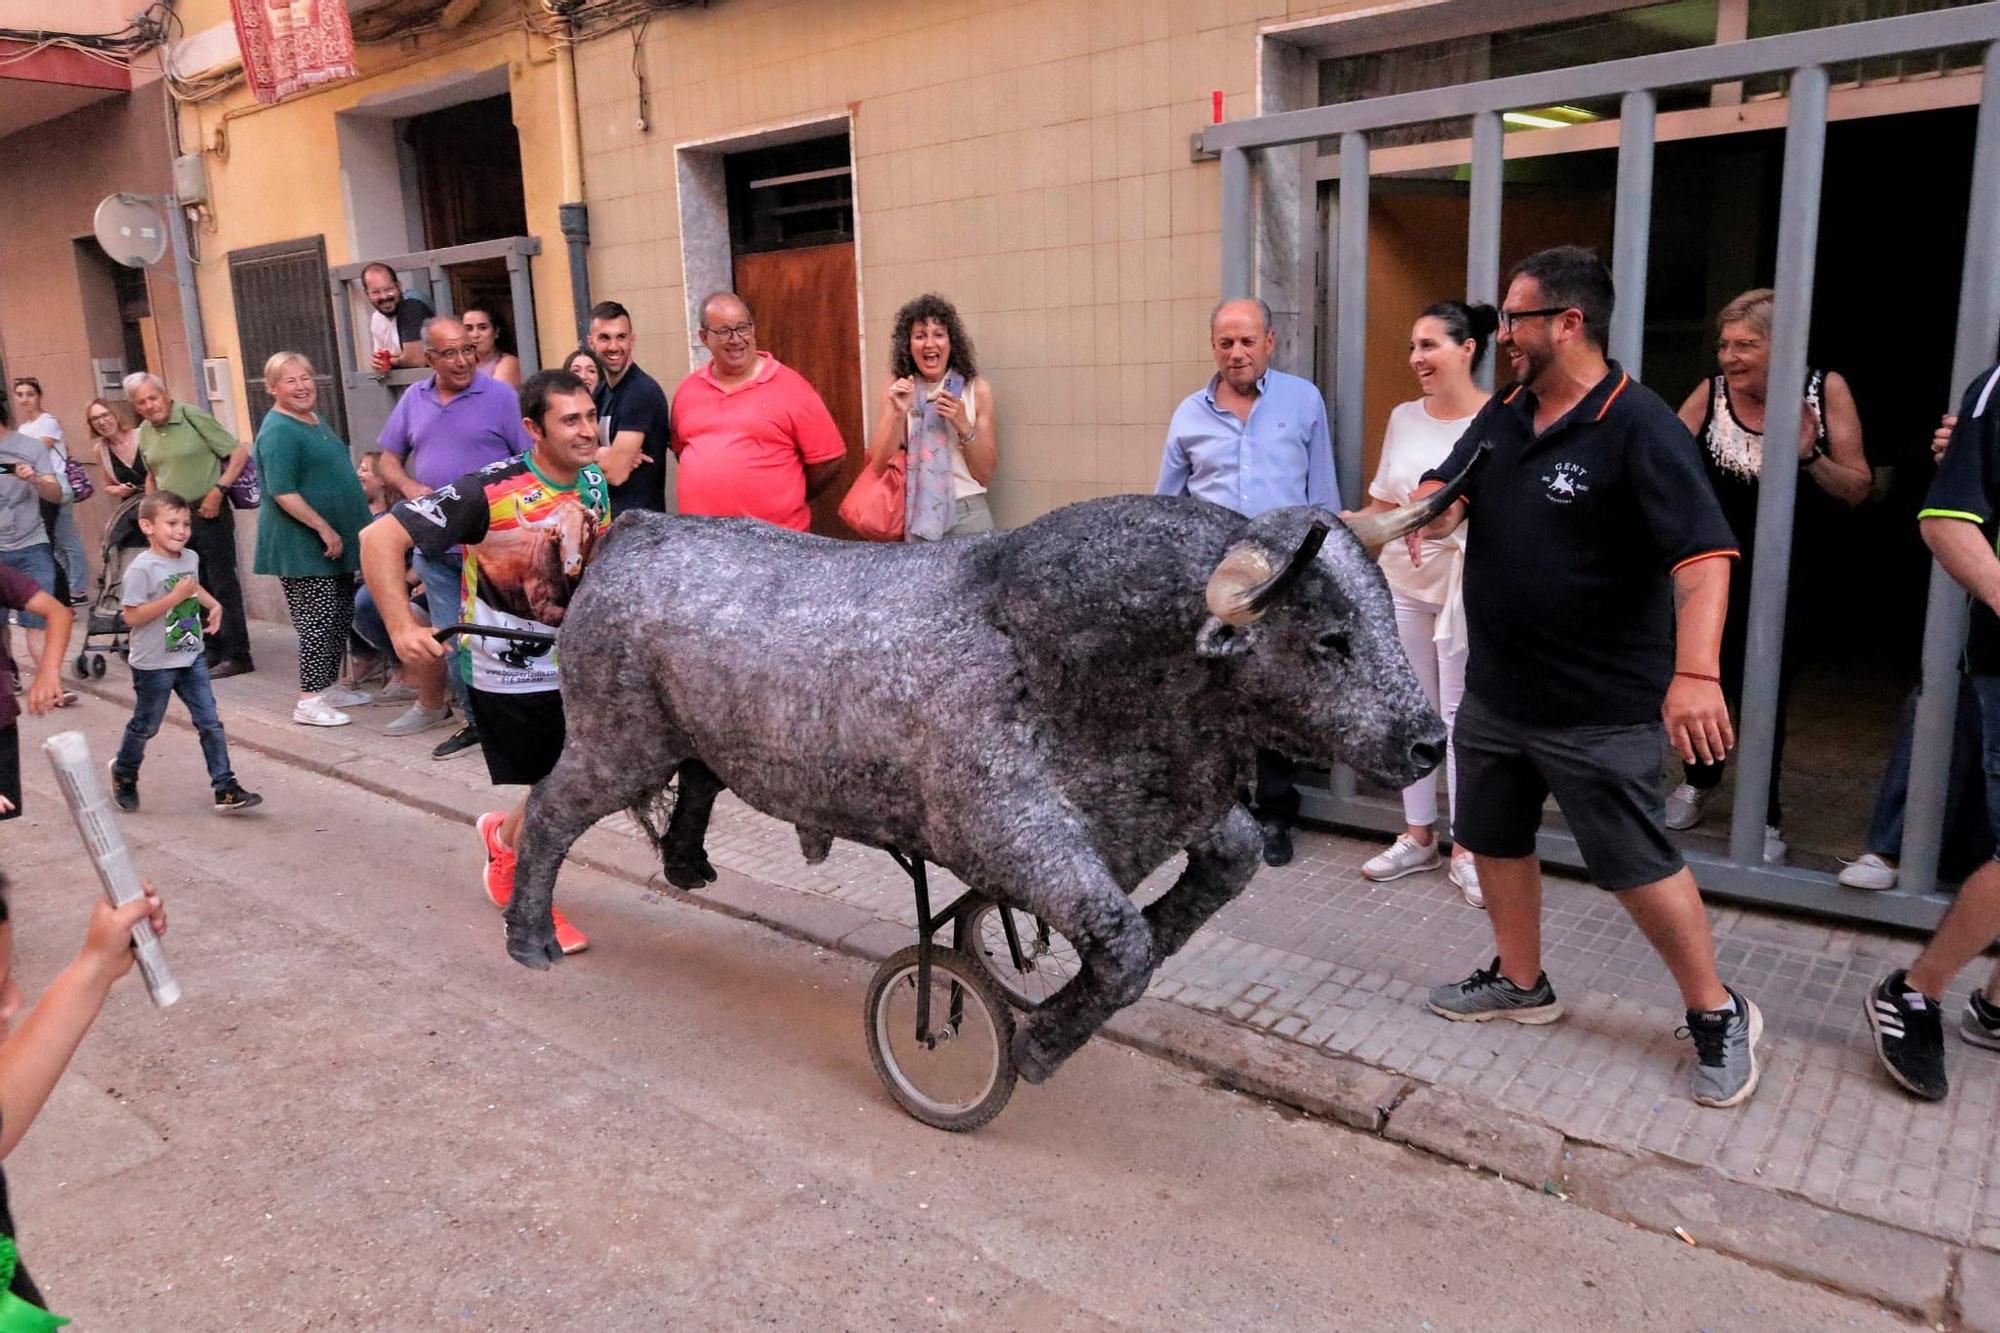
522	734
10	768
1605	778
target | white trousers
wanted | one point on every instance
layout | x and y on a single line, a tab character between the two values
1442	675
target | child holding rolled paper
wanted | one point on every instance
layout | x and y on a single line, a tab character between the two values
34	1054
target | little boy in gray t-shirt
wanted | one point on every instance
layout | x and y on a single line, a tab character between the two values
168	611
174	639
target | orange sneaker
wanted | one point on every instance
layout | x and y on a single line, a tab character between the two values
498	877
568	938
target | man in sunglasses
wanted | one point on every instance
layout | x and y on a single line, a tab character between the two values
528	525
752	437
1596	582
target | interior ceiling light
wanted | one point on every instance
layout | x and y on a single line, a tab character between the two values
1549	117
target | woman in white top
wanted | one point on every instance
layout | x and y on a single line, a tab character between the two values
60	519
1446	346
938	409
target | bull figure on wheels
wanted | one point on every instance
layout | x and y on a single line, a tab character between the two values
1051	713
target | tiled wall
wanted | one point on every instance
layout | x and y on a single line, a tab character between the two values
1028	160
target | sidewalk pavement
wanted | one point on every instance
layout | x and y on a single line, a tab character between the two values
1316	956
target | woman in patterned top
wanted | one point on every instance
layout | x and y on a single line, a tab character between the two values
1726	413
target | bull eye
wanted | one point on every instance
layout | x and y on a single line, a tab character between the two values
1332	643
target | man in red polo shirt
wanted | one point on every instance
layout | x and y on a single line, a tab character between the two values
753	438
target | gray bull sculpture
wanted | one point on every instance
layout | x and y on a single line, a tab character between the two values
1051	713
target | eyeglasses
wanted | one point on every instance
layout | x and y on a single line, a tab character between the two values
455	354
1509	318
732	333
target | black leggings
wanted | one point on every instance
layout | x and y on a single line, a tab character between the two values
322	612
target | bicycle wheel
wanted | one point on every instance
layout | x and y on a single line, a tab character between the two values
1048	959
960	1077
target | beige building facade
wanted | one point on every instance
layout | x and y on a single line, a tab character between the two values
1031	160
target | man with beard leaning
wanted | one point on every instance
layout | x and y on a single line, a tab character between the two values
1252	440
1596	582
396	324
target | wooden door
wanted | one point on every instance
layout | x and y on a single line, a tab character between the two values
808	317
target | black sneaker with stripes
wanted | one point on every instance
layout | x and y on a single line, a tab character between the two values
1909	1036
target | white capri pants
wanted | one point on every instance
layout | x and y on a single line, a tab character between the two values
1442	675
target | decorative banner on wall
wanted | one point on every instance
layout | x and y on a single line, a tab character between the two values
293	44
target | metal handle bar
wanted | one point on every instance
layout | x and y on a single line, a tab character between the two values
529	636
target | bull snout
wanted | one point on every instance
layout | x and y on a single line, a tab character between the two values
1426	755
1412	750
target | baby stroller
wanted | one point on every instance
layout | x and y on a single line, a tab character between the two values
105	630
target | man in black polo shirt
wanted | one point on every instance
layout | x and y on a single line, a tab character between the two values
1596	581
633	420
1958	522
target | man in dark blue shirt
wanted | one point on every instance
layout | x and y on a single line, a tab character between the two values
1596	581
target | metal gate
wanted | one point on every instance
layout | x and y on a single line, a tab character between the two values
1804	58
282	306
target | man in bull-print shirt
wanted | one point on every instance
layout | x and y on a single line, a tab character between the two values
528	526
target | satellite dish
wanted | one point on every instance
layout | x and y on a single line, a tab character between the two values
130	231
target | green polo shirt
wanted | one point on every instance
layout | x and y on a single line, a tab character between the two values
187	453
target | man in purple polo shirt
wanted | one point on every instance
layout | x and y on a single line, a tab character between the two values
455	422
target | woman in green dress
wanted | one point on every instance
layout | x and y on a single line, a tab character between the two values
309	532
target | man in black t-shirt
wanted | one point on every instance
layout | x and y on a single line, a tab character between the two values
1596	581
1958	521
633	417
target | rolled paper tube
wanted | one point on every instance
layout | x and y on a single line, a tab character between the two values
96	820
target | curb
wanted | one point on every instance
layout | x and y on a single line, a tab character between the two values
1924	1276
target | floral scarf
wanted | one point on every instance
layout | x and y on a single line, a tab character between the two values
930	497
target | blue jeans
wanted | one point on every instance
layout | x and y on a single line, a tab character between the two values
70	554
442	589
1968	837
151	689
369	626
38	562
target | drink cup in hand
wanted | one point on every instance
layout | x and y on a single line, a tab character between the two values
383	360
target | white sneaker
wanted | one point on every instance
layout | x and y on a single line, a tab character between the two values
395	693
418	718
1868	871
1685	804
1464	872
1775	849
341	696
315	711
1406	856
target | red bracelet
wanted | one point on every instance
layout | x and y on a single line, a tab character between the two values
1696	675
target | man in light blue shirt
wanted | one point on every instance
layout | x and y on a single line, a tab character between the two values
1253	439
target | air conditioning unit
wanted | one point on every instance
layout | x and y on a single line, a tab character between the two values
108	372
221	391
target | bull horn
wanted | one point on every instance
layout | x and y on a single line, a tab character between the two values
1375	531
1243	587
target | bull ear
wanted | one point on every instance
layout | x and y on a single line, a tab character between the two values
1217	638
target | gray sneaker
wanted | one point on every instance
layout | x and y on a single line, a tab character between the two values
1685	804
417	718
1981	1023
1486	995
1725	1044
